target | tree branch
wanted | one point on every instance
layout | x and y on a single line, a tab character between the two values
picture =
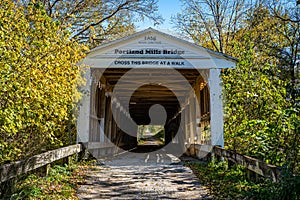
120	7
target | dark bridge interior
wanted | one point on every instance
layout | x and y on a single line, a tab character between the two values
141	88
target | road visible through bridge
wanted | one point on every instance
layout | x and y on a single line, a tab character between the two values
141	176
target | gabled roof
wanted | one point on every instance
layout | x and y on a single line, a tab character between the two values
127	48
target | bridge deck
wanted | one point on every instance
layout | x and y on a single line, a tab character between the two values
142	176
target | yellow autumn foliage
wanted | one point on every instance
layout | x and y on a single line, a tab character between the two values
39	80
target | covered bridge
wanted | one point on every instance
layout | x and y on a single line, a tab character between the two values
151	77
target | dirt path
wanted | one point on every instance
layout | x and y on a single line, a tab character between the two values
142	176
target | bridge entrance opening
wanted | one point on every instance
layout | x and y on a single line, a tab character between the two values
150	109
151	135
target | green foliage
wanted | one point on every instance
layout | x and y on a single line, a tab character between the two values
60	183
254	102
260	120
38	81
223	182
29	189
232	183
288	188
262	113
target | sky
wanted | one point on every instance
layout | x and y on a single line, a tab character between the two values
166	8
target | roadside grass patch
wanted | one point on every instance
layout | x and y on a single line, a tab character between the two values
60	183
232	183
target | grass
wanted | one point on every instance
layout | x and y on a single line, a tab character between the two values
60	183
232	183
224	183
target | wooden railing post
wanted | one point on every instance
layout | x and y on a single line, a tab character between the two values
7	187
81	154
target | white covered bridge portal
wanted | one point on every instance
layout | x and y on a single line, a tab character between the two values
152	78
